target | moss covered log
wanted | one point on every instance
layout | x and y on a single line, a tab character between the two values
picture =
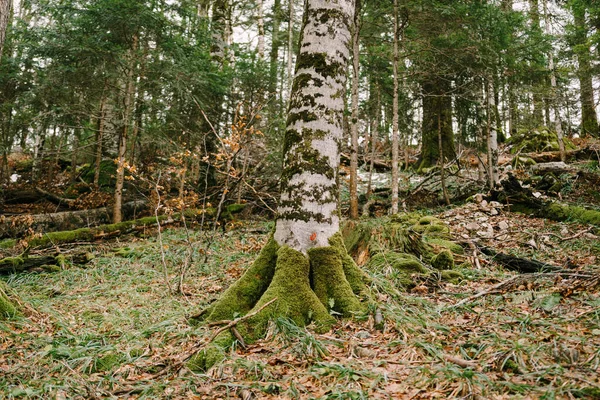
522	200
112	230
7	308
10	265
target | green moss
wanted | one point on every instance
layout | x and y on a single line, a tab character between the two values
329	281
563	212
447	244
7	309
451	276
355	277
240	297
107	362
295	298
429	220
400	266
211	355
356	236
443	260
8	243
12	262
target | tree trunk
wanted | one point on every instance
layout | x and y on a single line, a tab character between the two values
492	137
354	125
5	13
260	48
304	270
538	104
589	119
436	102
127	112
395	155
554	97
100	135
276	42
290	55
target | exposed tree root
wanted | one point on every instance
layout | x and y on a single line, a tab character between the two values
308	289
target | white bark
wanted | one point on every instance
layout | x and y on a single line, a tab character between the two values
308	212
395	155
354	122
492	139
261	30
5	8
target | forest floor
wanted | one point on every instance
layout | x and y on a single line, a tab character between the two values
113	329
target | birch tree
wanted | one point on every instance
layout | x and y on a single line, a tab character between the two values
304	271
5	8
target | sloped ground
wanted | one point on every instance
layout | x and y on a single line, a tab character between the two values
110	330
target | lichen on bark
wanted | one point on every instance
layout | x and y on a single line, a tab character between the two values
313	274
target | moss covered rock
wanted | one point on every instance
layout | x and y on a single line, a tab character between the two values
401	267
8	309
443	260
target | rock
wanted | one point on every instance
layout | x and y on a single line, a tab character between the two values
495	204
478	198
472	226
503	225
493	211
362	335
483	203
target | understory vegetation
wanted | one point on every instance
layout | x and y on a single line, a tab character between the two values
113	328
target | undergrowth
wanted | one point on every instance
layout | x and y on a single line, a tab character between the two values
108	331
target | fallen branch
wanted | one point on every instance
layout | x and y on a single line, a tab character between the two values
518	279
55	198
519	264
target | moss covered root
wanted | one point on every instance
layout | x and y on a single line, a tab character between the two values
355	277
246	291
295	298
7	309
329	281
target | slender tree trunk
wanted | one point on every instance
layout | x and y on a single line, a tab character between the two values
376	101
554	96
122	150
538	104
276	43
589	119
436	101
492	137
261	29
5	13
100	134
354	125
395	155
290	55
441	161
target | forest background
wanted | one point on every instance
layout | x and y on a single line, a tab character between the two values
125	117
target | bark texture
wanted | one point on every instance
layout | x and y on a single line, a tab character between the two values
308	213
304	272
5	11
589	119
437	119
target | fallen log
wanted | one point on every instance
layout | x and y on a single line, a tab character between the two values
19	225
55	198
113	230
11	265
523	200
587	153
519	264
555	167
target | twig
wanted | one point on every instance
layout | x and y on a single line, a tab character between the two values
575	236
460	362
517	278
176	366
